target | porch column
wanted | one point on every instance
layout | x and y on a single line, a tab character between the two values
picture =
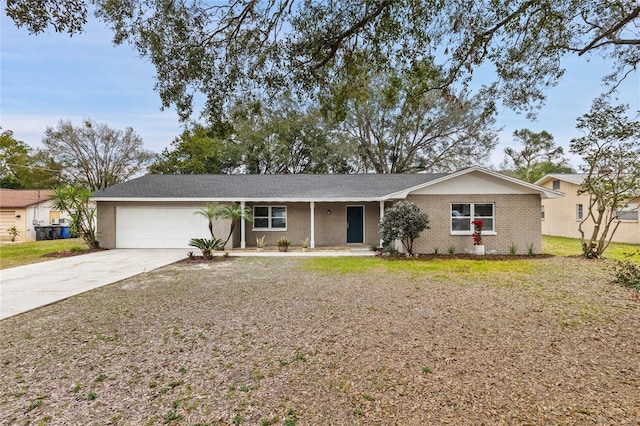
381	216
243	243
312	206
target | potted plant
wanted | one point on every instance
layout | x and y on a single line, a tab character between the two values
13	232
260	243
305	244
283	243
478	224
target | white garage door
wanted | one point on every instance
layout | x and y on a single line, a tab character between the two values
158	227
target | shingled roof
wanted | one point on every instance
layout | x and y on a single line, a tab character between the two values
20	198
266	187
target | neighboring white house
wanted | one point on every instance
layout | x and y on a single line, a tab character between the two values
561	216
26	209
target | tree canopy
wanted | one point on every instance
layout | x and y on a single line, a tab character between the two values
94	155
200	150
22	167
539	156
222	50
397	127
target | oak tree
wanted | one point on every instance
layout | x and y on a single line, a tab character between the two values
225	49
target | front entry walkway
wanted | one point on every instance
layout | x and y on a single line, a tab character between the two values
355	250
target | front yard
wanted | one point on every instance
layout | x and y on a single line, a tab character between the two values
263	341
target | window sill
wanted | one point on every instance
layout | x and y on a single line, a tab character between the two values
269	229
468	233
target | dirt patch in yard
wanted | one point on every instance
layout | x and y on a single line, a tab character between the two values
261	341
69	253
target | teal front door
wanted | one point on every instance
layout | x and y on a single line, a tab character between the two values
355	224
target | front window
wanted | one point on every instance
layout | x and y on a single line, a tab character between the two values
270	217
628	213
462	214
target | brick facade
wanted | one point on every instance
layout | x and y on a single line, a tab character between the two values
517	221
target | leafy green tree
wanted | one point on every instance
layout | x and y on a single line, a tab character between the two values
400	125
220	49
403	221
610	150
283	137
94	155
22	168
539	156
200	150
76	201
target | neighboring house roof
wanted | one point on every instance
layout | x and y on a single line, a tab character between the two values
21	198
575	178
329	187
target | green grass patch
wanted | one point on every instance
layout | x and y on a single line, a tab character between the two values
343	265
562	246
12	255
358	265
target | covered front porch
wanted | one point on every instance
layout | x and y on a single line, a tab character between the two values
324	224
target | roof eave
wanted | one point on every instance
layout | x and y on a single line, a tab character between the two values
238	199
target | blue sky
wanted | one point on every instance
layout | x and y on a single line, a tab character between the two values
51	76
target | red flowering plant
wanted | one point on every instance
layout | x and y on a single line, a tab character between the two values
477	232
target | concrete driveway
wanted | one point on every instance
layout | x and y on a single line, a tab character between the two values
31	286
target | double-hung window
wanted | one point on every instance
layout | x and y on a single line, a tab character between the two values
579	212
270	217
462	214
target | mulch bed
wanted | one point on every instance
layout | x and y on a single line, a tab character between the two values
202	260
465	256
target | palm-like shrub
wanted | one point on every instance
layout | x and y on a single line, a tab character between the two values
206	245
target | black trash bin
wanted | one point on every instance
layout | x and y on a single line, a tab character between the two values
40	233
56	232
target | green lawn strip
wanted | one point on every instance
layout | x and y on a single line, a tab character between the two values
562	246
12	255
435	267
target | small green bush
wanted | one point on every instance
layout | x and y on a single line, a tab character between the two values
403	221
627	274
206	246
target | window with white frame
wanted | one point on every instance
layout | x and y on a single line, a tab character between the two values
270	217
579	212
628	213
462	214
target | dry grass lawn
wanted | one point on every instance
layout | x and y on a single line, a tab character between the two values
352	341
